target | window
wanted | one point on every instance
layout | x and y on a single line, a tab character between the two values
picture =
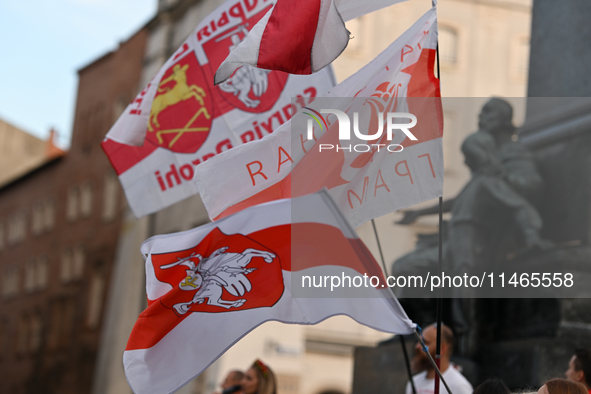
85	199
95	300
79	202
72	204
10	278
72	264
110	196
448	45
36	274
17	228
37	219
43	216
49	213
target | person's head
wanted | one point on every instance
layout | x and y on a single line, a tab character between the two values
233	378
259	379
492	386
496	116
579	367
477	148
420	360
562	386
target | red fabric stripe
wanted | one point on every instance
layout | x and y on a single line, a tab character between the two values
152	325
286	44
423	83
123	157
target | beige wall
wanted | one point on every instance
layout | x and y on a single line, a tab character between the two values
20	152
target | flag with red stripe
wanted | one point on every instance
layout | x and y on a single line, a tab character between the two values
298	37
180	119
210	286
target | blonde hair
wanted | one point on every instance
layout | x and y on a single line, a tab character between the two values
267	382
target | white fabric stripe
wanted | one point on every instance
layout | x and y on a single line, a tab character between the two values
331	36
248	53
351	9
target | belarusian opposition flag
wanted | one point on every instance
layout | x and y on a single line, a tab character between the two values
367	178
209	286
298	37
181	119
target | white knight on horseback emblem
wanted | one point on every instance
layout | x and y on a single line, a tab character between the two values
210	275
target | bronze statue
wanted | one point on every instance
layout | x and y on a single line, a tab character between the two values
502	193
494	214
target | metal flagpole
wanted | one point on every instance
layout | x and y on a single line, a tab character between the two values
375	231
440	259
439	300
412	382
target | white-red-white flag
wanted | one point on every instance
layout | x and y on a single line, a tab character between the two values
298	37
366	179
181	119
210	286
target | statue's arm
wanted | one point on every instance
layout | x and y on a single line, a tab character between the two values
410	216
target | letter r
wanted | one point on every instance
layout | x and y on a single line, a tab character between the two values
401	126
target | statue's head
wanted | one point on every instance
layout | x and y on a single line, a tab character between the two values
496	116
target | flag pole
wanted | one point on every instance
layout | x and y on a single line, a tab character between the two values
439	300
440	258
375	231
412	383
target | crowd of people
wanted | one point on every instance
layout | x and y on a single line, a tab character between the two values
260	379
578	374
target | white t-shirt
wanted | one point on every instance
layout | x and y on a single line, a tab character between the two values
457	383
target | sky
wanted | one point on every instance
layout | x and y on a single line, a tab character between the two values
43	44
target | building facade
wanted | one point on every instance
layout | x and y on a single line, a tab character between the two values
59	225
20	152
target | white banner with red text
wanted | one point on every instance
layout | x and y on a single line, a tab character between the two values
385	163
181	119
